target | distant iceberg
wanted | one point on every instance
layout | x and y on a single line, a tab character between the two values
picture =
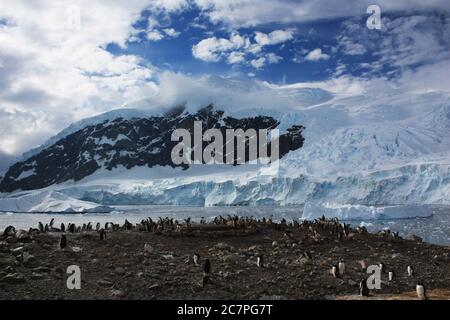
49	201
361	212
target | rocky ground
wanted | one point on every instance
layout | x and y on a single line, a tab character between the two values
118	267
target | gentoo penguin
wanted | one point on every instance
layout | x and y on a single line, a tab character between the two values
207	267
63	227
196	258
334	271
382	267
40	227
9	231
97	226
63	242
102	234
51	222
391	275
363	289
341	266
363	264
259	261
421	292
410	271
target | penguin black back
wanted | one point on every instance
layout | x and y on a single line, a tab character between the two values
363	289
207	267
63	242
102	234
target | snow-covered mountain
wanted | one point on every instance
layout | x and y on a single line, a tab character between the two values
357	149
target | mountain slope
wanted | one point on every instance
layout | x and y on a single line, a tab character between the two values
129	143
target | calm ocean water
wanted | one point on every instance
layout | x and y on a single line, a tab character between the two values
435	229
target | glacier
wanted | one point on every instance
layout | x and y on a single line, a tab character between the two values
48	201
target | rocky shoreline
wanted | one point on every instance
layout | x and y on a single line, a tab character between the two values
154	260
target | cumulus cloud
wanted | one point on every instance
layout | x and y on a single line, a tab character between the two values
316	55
237	47
213	49
275	37
54	68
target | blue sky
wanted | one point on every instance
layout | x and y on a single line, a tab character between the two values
62	61
175	53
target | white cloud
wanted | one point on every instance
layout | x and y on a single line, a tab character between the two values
154	35
212	49
55	71
316	55
236	57
273	58
258	63
171	32
237	47
245	13
275	37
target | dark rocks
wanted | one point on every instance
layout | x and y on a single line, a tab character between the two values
13	278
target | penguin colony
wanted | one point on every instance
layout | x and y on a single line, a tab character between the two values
317	230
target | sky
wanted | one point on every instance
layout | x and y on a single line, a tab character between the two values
62	61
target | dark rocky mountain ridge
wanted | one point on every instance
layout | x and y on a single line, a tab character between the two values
128	143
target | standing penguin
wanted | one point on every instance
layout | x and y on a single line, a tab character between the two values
391	275
207	267
102	234
382	267
410	271
63	242
196	258
363	289
259	261
97	226
421	291
334	271
51	222
341	266
63	227
40	227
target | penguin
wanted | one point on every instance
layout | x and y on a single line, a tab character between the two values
421	291
341	267
40	227
196	259
259	261
307	255
363	289
207	267
63	242
334	271
63	227
46	228
391	275
363	264
102	234
97	226
382	267
410	271
51	222
10	230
